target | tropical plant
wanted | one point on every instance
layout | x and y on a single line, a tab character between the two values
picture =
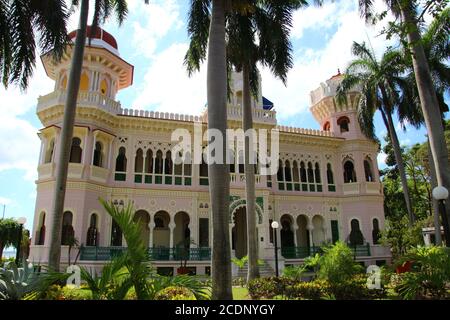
429	276
409	31
25	25
200	289
336	264
175	293
209	15
295	272
9	233
382	88
103	9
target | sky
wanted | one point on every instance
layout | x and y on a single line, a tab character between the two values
154	39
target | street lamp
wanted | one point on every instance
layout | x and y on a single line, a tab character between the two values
275	226
21	221
440	193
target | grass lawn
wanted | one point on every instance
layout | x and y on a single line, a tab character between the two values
240	293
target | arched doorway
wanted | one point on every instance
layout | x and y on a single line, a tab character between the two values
239	232
182	233
143	218
319	232
302	231
287	237
161	231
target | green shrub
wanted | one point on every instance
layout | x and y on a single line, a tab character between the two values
312	290
53	292
269	287
429	275
294	272
76	293
239	282
175	293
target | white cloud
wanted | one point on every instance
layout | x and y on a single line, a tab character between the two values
381	159
311	67
5	201
167	87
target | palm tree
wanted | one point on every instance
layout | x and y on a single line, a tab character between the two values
257	31
25	25
381	82
102	11
204	15
407	11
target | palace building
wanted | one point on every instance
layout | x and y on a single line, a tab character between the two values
327	187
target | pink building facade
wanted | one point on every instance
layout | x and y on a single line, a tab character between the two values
327	187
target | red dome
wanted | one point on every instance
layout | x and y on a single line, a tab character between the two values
99	34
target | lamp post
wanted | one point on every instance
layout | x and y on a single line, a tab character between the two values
440	193
275	226
21	221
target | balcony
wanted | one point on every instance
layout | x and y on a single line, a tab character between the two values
373	187
75	170
351	188
259	115
99	174
46	171
154	254
85	99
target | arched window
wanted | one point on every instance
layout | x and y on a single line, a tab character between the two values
349	172
40	233
149	161
356	237
121	160
326	126
295	172
67	232
104	87
116	234
343	123
187	164
368	171
375	231
49	151
310	173
317	173
241	161
330	177
64	82
203	168
139	161
75	150
287	171
98	154
280	171
159	162
168	165
92	233
303	172
84	82
159	223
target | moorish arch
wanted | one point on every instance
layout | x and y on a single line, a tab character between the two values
242	203
286	231
318	223
182	232
302	231
239	232
161	230
142	217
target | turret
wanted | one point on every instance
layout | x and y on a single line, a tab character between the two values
104	72
341	120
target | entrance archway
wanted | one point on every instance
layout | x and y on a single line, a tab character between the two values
143	218
239	232
319	232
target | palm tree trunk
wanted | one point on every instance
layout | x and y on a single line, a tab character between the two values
1	250
219	176
437	224
398	158
66	137
428	101
247	122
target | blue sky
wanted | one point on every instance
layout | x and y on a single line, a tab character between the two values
154	40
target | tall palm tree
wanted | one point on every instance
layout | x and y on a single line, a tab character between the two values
24	26
257	31
103	9
206	28
406	10
383	89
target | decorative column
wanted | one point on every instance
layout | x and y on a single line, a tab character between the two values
294	230
172	228
310	228
151	226
230	228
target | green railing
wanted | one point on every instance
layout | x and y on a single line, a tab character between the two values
304	252
154	254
